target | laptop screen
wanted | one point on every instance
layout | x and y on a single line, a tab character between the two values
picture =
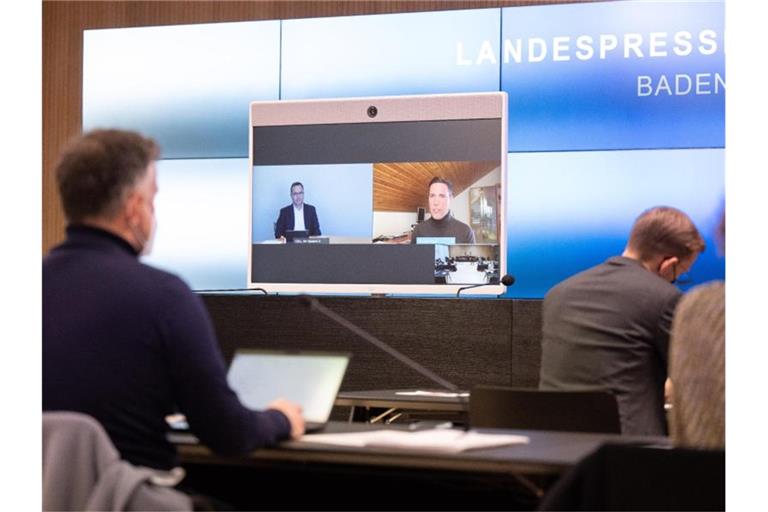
310	379
292	235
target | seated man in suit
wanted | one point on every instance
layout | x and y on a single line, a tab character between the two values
127	343
441	223
297	216
607	328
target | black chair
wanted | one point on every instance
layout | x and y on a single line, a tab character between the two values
530	409
626	477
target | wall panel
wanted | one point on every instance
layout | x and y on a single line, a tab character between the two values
466	341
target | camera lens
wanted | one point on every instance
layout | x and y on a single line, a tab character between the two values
372	111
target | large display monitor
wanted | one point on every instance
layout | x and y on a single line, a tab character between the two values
400	194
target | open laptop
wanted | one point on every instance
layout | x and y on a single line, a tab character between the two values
310	379
293	235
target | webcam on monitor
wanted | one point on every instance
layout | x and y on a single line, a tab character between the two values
395	185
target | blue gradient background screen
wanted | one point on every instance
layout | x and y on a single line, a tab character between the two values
594	103
188	86
587	153
412	53
568	211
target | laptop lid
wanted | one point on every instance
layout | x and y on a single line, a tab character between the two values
310	379
292	235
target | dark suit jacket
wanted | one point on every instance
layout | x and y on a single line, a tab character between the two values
285	220
607	329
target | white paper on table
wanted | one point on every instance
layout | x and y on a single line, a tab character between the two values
439	394
440	440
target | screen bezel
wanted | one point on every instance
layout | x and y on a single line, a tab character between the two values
437	107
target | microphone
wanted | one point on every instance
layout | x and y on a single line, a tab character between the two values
315	305
508	280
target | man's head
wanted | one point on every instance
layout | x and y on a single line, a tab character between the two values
107	178
440	195
297	194
665	241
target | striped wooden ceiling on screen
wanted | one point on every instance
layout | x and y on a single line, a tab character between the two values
402	186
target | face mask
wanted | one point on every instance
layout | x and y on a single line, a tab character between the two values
149	243
146	243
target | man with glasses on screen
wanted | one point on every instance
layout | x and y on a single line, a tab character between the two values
607	328
441	223
297	216
127	343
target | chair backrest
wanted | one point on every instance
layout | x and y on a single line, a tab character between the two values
531	409
82	470
626	477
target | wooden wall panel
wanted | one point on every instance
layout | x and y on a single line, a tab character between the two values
402	186
64	22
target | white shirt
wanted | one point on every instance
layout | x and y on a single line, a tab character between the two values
298	219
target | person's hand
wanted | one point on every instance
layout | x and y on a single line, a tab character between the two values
292	411
668	392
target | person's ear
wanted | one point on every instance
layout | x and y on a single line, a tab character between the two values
667	267
132	209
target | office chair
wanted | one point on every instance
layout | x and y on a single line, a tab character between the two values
82	470
627	477
531	409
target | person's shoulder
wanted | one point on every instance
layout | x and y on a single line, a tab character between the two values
587	274
580	282
564	286
707	296
712	288
164	280
425	224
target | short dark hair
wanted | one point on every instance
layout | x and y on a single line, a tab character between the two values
438	179
296	183
97	168
665	231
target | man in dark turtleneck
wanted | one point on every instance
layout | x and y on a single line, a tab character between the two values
441	223
127	343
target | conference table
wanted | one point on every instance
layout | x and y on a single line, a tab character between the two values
389	405
323	476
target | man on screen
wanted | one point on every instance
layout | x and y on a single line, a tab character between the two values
125	342
441	223
297	216
607	328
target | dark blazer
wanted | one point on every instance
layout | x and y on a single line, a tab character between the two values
607	329
285	220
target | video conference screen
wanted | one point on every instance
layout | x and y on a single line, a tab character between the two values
351	203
